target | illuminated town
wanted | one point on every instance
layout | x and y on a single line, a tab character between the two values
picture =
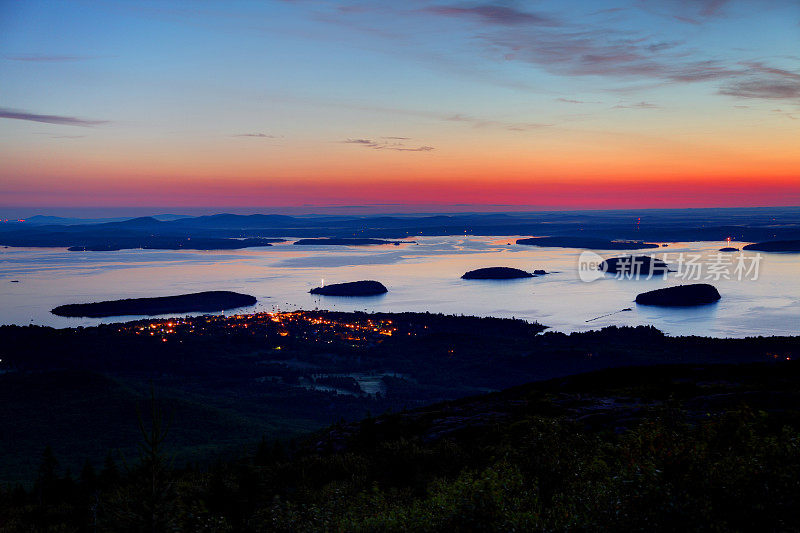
354	329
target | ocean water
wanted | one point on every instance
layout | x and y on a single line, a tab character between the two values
420	277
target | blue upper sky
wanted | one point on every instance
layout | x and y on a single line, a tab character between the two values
192	86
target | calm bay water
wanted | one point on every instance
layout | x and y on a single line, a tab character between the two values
420	277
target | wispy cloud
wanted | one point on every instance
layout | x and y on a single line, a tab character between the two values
621	55
787	114
494	14
758	80
689	11
763	88
49	119
637	105
570	49
468	120
385	144
709	7
417	149
661	46
603	53
484	123
258	135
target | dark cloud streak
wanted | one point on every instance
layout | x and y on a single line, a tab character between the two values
494	14
49	119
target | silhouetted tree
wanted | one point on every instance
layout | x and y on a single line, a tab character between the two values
148	502
47	478
109	475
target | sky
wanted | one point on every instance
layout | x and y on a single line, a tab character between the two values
548	104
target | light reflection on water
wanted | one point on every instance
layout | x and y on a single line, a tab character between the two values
420	277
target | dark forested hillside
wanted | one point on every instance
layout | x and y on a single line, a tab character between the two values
231	380
676	448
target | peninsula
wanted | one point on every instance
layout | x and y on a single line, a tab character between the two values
346	242
774	246
586	242
209	301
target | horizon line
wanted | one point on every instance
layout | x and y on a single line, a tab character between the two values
91	212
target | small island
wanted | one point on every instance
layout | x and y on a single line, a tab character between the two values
209	301
585	242
775	246
351	288
497	273
680	296
729	249
634	265
330	241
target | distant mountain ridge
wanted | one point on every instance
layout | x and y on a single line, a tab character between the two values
587	229
43	220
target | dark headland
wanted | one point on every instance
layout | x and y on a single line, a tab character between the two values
634	265
346	242
209	301
497	273
586	242
729	249
680	296
352	288
774	246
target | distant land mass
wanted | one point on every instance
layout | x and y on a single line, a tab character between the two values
609	230
346	242
44	220
497	273
680	296
352	288
166	243
585	242
729	249
635	265
208	301
774	246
